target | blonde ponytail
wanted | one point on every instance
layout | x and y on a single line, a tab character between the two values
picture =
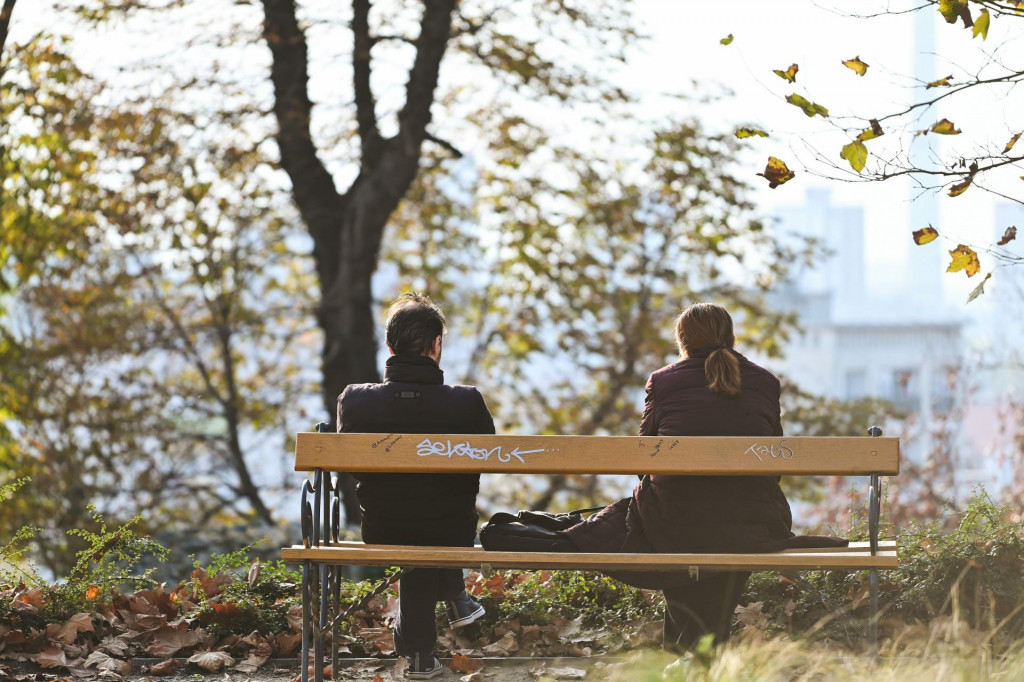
722	370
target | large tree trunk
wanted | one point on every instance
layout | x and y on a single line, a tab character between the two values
5	22
347	227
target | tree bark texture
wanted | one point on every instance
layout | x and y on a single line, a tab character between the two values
347	226
5	22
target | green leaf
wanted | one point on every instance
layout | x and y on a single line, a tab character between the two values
951	9
726	40
742	133
789	74
856	153
809	108
979	290
981	25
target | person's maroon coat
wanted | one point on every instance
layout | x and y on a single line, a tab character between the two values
699	513
711	513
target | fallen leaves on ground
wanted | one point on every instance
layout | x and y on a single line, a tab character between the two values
168	667
461	663
211	661
168	624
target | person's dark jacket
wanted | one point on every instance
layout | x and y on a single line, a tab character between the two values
698	513
415	509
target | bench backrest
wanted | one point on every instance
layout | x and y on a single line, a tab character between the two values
705	455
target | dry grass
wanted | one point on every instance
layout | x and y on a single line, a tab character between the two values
944	650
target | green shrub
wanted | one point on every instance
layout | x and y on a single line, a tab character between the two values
570	594
974	574
238	595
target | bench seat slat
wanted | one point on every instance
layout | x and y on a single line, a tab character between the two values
357	553
705	455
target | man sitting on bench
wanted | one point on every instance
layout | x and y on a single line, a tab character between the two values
418	509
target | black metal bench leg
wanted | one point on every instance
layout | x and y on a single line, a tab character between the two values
321	626
334	620
307	622
873	625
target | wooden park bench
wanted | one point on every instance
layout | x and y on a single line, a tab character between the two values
322	554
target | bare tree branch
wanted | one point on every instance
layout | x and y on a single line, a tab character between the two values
366	113
445	144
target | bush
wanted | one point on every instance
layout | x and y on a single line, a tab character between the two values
974	574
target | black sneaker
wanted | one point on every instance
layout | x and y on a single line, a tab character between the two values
423	667
463	610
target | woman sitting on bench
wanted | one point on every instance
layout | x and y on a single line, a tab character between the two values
711	391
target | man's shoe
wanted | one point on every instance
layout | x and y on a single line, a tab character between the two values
424	667
463	610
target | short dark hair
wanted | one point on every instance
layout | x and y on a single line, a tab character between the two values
414	321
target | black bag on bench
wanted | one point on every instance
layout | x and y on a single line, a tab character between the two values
531	531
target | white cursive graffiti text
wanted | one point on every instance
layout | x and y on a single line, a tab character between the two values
448	449
774	451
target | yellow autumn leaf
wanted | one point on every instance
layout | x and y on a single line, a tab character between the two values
945	127
742	133
776	172
726	40
856	65
925	235
1009	145
981	25
980	289
964	258
809	108
856	153
789	74
961	187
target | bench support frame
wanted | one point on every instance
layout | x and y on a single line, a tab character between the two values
320	515
321	583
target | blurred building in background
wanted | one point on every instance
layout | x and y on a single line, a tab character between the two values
850	346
